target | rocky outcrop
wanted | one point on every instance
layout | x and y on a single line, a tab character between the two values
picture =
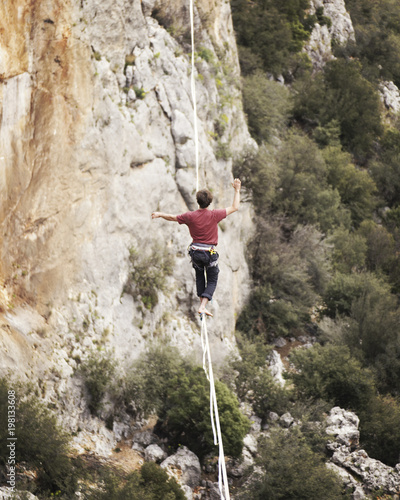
184	466
390	97
343	426
153	453
8	494
340	31
354	465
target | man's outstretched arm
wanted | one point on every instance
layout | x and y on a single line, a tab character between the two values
236	184
172	218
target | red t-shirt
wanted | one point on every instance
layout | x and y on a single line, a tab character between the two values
203	224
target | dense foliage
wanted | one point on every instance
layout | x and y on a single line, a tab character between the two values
41	443
149	483
292	470
179	393
325	185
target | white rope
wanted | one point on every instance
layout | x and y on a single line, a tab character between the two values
207	366
193	86
207	363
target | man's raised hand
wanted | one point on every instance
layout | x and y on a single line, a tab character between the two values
236	184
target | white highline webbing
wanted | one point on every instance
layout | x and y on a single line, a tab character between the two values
207	366
193	86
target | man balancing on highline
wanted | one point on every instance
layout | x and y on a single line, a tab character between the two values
203	228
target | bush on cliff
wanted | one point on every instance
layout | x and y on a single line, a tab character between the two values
179	393
292	470
42	445
149	483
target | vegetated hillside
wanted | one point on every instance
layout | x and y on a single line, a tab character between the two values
323	259
325	186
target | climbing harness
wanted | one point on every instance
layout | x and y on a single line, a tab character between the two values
207	366
203	248
193	87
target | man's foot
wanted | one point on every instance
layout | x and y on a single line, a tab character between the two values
204	311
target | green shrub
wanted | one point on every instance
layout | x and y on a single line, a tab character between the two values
344	289
355	186
139	92
186	415
148	273
252	378
341	93
303	193
377	31
380	431
330	373
272	29
288	274
322	20
291	470
147	382
259	173
370	325
381	249
150	483
98	371
42	445
386	167
267	106
205	54
349	251
179	393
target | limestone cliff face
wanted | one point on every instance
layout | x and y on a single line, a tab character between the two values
96	132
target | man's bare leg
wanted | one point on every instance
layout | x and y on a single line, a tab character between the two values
202	308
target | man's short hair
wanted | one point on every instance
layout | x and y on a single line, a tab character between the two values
204	198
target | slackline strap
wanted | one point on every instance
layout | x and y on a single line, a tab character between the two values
193	87
207	366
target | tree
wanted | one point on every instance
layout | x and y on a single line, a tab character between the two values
41	445
344	289
186	414
272	29
288	274
253	380
330	373
349	251
386	167
292	471
266	104
341	93
162	383
151	482
355	186
303	193
377	30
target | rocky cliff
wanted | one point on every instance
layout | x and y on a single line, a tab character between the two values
96	133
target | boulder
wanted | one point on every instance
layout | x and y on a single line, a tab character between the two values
343	425
374	474
144	438
184	466
276	367
250	442
355	467
274	417
255	424
7	494
286	420
390	96
154	453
